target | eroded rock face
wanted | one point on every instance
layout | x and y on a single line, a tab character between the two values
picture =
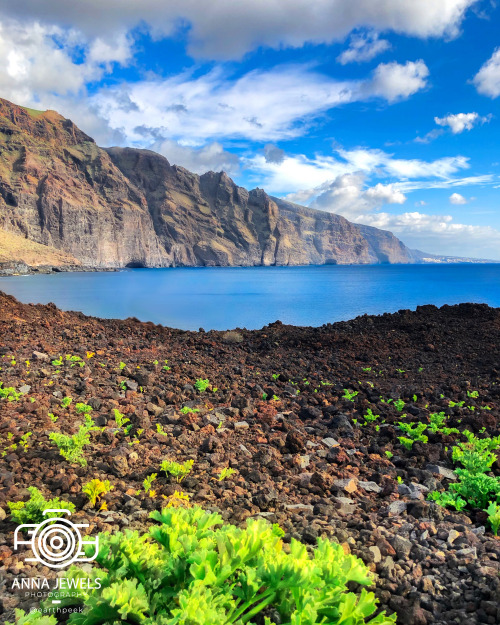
122	206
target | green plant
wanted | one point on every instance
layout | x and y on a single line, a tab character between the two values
406	442
177	470
122	366
192	569
53	417
415	431
9	393
71	447
66	401
452	404
119	418
473	394
58	362
366	369
187	410
437	421
389	454
95	489
493	511
349	395
399	405
201	385
31	511
160	430
83	408
148	482
24	440
447	499
226	472
75	360
369	416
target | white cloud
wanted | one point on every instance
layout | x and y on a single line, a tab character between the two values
347	196
456	198
393	81
300	175
438	234
363	47
199	160
386	194
262	105
487	80
459	122
228	29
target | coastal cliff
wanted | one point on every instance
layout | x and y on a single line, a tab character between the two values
121	207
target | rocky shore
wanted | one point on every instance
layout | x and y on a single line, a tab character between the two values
18	268
285	407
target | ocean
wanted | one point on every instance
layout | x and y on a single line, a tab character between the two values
250	297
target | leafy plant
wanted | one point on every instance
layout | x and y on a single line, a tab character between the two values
187	410
53	417
349	395
66	401
177	500
83	408
201	385
9	393
71	447
415	431
31	511
177	470
34	617
369	416
437	421
389	454
58	362
119	418
447	499
226	472
148	482
192	569
399	404
493	511
95	489
473	394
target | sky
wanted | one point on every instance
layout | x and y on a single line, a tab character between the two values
383	111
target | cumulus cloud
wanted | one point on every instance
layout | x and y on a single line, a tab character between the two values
262	105
393	81
487	80
459	122
363	47
347	196
227	29
456	198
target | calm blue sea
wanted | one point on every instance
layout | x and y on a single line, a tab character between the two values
221	298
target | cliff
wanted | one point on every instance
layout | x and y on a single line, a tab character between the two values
121	207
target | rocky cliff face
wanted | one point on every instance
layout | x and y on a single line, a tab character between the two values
126	207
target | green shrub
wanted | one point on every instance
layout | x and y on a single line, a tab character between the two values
201	385
9	393
71	447
194	570
177	470
493	511
95	489
31	511
32	618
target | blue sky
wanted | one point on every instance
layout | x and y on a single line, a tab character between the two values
384	111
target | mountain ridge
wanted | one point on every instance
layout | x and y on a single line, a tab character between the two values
119	207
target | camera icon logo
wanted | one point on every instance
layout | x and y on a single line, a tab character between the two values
56	542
